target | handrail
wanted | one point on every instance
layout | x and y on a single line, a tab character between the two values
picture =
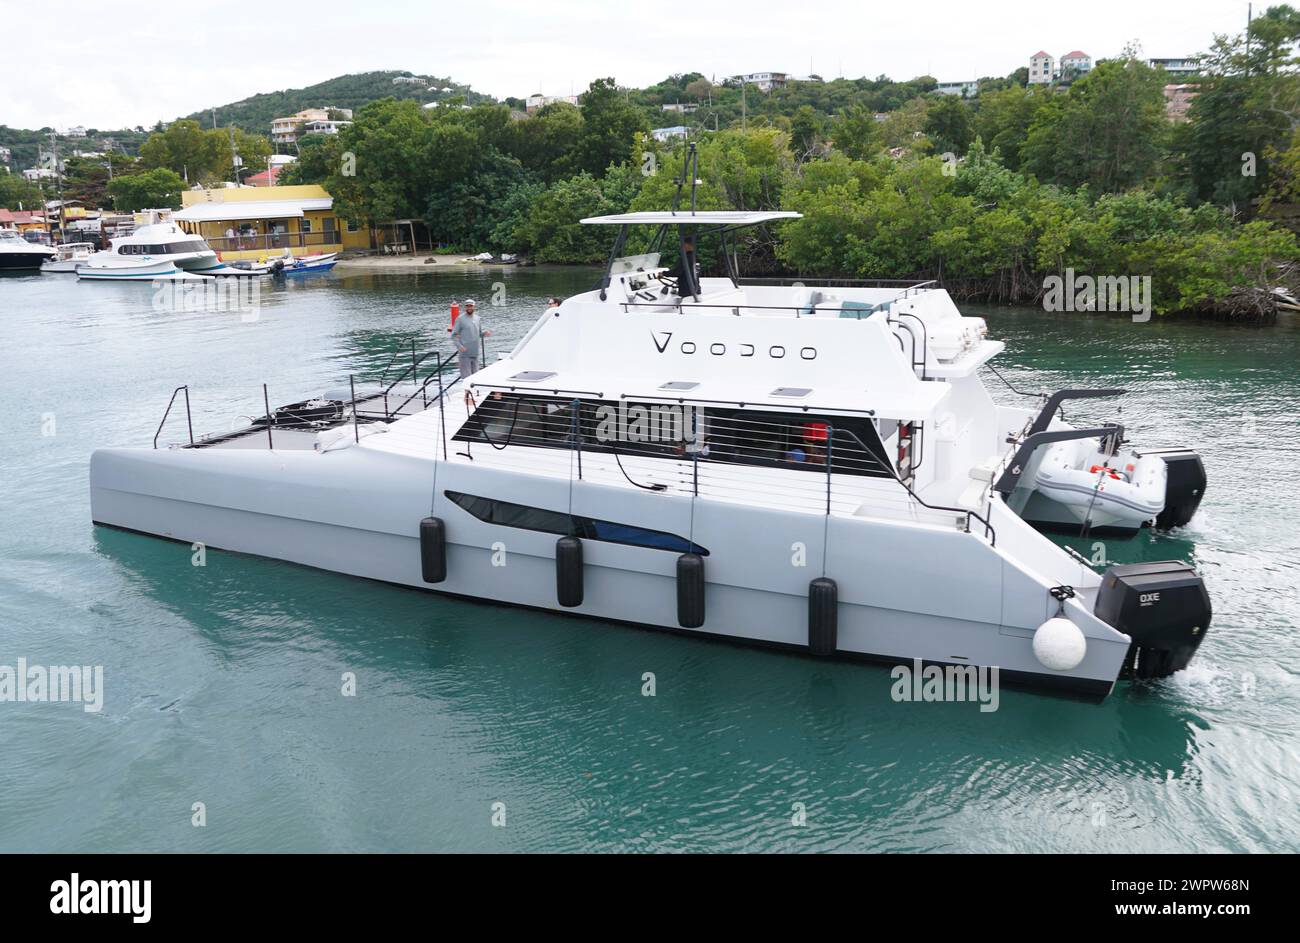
408	370
1044	418
745	404
989	529
189	422
443	367
1016	467
678	304
911	284
925	343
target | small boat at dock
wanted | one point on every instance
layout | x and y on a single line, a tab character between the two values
17	254
112	269
67	256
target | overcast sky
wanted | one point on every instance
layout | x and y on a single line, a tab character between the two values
119	64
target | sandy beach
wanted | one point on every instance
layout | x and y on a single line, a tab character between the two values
406	264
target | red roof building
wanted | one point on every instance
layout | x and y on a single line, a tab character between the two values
266	178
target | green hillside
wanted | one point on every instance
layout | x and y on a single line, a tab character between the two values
345	91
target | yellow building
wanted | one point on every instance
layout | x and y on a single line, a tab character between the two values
252	222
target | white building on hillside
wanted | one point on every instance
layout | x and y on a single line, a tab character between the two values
538	101
1041	68
765	81
1177	68
963	89
667	134
1075	64
309	121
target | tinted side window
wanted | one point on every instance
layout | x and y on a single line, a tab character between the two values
508	514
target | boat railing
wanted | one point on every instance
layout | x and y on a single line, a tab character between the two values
736	458
269	242
189	421
283	417
908	285
989	531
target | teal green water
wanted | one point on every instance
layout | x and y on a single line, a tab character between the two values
223	683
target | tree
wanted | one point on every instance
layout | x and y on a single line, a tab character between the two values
948	125
699	89
807	130
185	148
86	179
905	127
18	192
1004	118
857	133
253	150
551	230
609	123
1248	107
466	210
1108	131
319	155
394	156
548	143
150	189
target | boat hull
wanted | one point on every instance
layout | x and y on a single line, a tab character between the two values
142	271
285	505
22	261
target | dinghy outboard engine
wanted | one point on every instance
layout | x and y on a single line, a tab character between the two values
1163	607
1184	485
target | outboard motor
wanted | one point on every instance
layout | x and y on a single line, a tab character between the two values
1184	485
1184	489
1163	607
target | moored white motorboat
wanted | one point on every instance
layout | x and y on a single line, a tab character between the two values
794	466
67	256
19	255
115	268
160	240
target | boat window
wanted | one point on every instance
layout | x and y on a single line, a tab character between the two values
508	514
736	436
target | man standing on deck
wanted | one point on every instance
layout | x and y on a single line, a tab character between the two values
468	336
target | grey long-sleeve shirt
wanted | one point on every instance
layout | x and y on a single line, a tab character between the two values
468	333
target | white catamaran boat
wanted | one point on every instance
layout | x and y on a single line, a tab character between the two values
155	242
816	468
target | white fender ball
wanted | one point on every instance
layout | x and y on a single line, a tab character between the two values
1059	644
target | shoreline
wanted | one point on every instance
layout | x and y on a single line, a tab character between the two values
408	264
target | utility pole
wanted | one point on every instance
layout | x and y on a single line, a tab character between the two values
743	113
234	155
58	176
1249	11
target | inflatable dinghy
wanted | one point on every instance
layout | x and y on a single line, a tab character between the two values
1121	491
